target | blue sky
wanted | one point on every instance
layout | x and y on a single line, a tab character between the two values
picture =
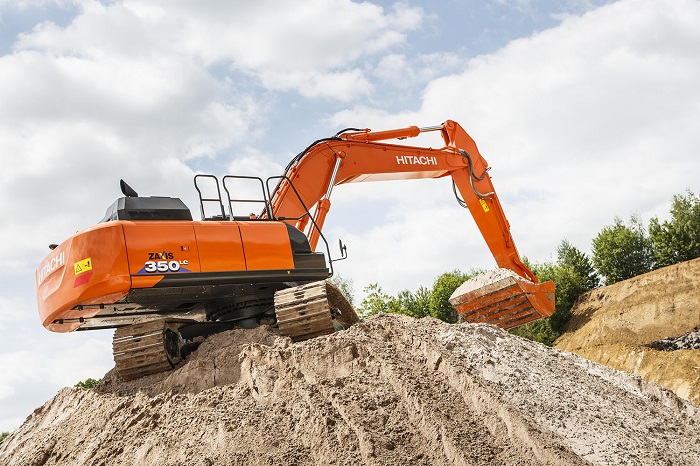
584	109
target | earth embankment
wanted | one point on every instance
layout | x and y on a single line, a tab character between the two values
618	325
390	390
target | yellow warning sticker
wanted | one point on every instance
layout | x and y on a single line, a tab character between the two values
484	205
82	266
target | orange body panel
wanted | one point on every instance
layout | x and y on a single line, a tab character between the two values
266	245
220	246
155	247
63	283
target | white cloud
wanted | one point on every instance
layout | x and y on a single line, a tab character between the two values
580	123
40	372
406	71
9	313
343	86
283	37
311	47
23	4
252	162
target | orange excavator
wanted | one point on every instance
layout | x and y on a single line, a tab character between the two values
166	282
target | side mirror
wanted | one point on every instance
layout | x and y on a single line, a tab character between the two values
343	250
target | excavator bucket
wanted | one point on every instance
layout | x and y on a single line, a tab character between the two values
507	301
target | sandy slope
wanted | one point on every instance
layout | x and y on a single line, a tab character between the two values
391	390
612	325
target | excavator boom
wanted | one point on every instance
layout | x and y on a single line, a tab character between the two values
359	156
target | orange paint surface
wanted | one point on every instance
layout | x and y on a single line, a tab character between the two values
55	276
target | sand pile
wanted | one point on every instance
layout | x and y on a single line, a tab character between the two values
390	390
646	325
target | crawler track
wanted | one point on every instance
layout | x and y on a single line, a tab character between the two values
312	310
303	312
148	348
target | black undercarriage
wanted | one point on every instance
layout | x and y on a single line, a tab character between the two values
228	299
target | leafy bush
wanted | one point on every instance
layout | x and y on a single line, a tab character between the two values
375	302
411	304
573	274
443	287
3	436
88	384
422	303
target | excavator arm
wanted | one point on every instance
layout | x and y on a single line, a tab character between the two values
358	156
361	155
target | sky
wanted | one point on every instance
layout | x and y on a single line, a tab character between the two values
585	110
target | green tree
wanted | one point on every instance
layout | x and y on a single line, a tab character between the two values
3	436
420	303
375	302
573	274
677	240
88	384
411	304
622	251
439	305
570	256
346	286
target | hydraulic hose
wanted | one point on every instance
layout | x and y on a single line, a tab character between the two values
472	176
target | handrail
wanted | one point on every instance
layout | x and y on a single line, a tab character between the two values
202	199
265	200
306	209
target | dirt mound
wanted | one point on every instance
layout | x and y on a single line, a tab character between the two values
390	390
619	325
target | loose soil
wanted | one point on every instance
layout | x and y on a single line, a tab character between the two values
390	390
484	279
